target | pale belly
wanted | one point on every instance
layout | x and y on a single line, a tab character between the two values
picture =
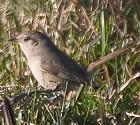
46	80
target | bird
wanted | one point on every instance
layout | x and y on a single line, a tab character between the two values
55	70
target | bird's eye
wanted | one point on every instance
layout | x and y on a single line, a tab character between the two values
27	39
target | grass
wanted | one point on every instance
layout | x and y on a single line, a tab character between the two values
87	31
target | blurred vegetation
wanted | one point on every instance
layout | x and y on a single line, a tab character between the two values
86	30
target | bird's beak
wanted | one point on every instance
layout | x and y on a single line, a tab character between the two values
13	39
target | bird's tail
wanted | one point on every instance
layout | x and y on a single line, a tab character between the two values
92	67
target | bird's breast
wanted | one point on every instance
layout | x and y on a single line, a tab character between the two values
45	79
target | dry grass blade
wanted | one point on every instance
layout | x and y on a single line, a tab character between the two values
8	113
128	82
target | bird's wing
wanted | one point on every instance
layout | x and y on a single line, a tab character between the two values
64	68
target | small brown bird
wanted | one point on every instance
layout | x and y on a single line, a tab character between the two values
52	68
